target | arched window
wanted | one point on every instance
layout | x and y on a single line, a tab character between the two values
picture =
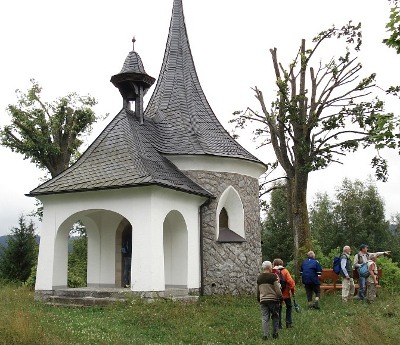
230	217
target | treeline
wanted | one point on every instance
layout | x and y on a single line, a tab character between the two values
355	215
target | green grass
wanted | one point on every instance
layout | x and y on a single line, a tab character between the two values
213	320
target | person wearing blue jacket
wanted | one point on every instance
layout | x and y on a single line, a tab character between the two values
310	271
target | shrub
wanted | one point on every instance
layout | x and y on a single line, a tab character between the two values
391	274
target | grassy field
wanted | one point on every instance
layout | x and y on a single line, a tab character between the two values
213	320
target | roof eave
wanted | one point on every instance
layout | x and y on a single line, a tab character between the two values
81	190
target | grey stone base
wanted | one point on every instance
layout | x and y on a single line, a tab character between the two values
105	296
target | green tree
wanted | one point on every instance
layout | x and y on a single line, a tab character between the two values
360	214
277	236
394	237
357	215
18	257
323	223
393	26
49	134
319	114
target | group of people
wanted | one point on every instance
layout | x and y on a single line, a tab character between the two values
271	294
367	286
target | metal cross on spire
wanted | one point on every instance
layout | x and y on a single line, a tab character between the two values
133	43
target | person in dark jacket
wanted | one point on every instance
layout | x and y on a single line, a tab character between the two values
310	271
269	295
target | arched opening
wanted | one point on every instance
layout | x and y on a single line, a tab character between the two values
230	217
175	251
96	240
123	254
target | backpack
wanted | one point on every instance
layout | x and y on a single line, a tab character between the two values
336	264
281	278
363	270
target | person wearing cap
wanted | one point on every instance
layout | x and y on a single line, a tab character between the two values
362	257
269	295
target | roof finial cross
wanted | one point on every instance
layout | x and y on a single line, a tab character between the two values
133	42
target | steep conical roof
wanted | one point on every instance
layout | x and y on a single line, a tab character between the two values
133	63
184	120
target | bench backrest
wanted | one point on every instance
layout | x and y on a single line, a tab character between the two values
329	274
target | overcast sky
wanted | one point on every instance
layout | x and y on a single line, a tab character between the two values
76	46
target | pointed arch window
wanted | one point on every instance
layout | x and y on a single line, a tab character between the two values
230	215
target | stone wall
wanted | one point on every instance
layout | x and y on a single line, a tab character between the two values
230	268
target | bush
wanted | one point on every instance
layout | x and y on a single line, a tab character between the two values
77	261
391	274
326	261
31	281
76	280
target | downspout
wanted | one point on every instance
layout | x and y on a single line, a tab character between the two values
202	206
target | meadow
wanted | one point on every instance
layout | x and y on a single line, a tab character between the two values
212	320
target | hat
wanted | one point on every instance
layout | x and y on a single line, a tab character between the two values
363	246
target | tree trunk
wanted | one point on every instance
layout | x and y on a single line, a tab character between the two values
299	217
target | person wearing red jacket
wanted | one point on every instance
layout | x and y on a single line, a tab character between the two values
287	291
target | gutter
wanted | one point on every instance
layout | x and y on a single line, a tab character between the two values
202	206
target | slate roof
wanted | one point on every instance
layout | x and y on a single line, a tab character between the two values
178	120
122	156
184	121
133	64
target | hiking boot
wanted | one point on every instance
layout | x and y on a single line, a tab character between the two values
315	305
310	305
265	337
275	335
289	325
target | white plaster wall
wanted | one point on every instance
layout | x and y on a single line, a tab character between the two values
46	256
164	201
60	268
221	164
175	250
145	208
93	255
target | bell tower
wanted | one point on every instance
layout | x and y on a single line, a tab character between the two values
133	82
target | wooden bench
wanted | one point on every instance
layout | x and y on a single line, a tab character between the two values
329	280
